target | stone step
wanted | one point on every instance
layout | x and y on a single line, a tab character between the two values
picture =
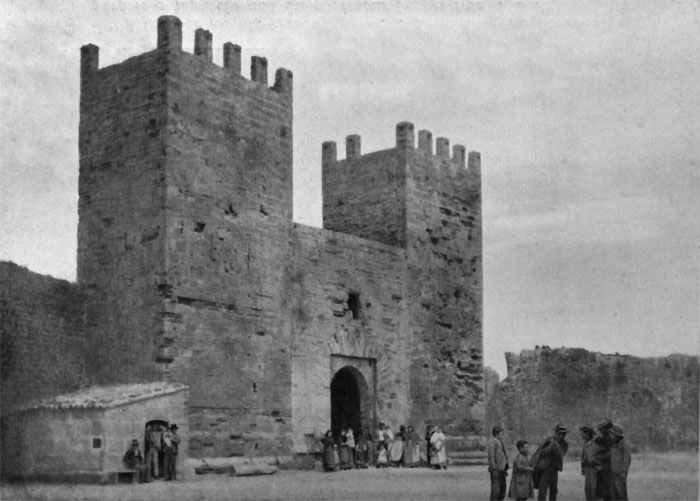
475	455
468	461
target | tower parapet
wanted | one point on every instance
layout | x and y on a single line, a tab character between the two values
430	204
169	33
425	141
352	147
366	194
404	135
258	69
232	57
405	140
169	41
203	44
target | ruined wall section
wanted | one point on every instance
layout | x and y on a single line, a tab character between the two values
364	195
42	336
654	399
445	283
326	268
42	347
121	225
228	213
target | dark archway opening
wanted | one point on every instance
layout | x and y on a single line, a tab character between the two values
345	402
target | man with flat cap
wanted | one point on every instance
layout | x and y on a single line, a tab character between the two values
620	458
551	462
589	463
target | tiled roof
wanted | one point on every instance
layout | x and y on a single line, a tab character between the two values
104	397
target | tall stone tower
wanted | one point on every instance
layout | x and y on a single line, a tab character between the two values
428	203
185	213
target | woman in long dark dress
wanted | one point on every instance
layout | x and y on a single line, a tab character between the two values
343	451
361	448
328	454
411	455
398	447
428	446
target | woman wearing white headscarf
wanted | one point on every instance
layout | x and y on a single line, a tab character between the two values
438	458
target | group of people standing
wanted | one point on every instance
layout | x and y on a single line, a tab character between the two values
384	449
605	461
162	445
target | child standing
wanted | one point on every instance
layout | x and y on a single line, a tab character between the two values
382	461
521	481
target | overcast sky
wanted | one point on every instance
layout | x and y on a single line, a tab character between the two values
585	114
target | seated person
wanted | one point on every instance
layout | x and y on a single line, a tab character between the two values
133	460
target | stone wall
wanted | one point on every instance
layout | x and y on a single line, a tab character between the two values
228	219
121	224
80	440
654	399
193	271
326	268
365	195
41	335
42	344
445	284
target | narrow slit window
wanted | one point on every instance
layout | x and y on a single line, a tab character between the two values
354	304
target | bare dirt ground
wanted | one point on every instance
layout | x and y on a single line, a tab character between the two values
652	477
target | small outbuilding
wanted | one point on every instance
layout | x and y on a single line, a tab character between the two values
82	436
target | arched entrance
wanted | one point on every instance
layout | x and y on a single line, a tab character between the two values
350	401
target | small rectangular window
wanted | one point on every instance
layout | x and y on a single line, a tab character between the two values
96	443
354	304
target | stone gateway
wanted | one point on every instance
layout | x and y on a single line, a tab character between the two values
191	270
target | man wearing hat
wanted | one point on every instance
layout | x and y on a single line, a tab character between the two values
134	461
602	456
552	461
498	464
620	458
171	441
589	463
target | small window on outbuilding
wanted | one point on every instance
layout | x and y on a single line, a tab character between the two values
354	304
96	443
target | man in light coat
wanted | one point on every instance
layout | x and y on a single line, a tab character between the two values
498	464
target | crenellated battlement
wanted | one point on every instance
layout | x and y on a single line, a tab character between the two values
169	41
405	140
189	258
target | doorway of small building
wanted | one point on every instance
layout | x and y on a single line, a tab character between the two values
156	428
351	402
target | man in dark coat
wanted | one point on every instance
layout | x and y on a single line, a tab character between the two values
620	459
133	460
551	463
171	442
602	457
589	463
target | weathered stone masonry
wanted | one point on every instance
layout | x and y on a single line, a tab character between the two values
42	345
654	399
193	271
